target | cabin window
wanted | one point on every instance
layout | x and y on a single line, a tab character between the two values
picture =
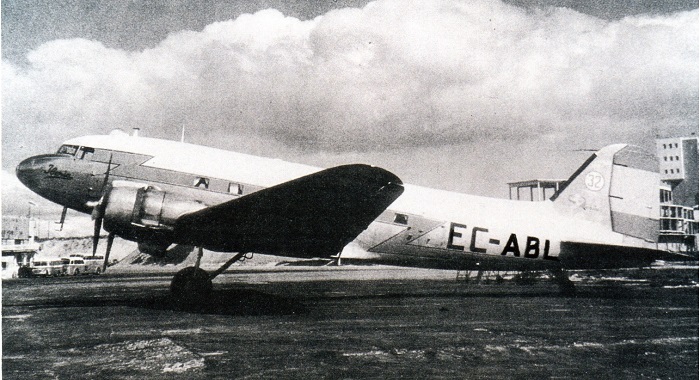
401	219
101	155
68	149
665	158
235	188
201	182
677	159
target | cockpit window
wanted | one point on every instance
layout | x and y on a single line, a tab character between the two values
68	149
86	153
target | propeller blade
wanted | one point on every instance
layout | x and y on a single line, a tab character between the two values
110	240
99	209
96	235
109	168
63	217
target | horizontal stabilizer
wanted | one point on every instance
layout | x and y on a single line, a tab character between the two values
576	255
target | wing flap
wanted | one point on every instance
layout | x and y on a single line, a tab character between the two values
311	216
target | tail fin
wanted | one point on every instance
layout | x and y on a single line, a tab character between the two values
618	187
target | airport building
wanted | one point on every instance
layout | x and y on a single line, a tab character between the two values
535	189
678	165
18	245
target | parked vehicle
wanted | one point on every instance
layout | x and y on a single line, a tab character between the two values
48	267
73	265
93	264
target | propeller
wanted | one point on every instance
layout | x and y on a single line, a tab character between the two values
63	217
110	240
99	210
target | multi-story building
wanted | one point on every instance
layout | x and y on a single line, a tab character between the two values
678	165
18	245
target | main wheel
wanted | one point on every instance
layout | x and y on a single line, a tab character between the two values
191	285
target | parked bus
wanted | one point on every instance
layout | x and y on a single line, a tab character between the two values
47	267
93	264
73	265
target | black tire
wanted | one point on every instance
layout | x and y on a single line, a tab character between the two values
191	285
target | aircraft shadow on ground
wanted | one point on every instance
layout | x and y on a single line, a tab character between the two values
238	302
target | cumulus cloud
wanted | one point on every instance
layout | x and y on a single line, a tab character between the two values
390	75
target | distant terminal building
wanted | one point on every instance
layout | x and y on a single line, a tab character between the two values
18	245
534	189
678	165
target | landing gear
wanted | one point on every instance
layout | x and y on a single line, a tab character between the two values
566	286
193	284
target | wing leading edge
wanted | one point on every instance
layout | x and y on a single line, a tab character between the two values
311	216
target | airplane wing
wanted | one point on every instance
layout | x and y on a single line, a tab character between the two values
312	216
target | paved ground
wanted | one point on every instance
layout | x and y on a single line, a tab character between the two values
353	323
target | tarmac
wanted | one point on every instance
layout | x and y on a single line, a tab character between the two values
353	323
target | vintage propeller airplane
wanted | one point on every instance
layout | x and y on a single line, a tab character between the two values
160	192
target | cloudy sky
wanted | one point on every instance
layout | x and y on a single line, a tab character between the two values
459	95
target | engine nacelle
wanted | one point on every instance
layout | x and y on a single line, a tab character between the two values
145	214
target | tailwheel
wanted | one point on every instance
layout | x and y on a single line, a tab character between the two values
191	285
566	286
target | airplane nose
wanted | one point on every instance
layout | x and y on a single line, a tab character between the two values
23	169
28	171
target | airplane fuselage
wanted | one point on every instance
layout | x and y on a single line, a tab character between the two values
423	227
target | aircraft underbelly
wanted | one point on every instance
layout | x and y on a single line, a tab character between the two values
447	259
439	244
